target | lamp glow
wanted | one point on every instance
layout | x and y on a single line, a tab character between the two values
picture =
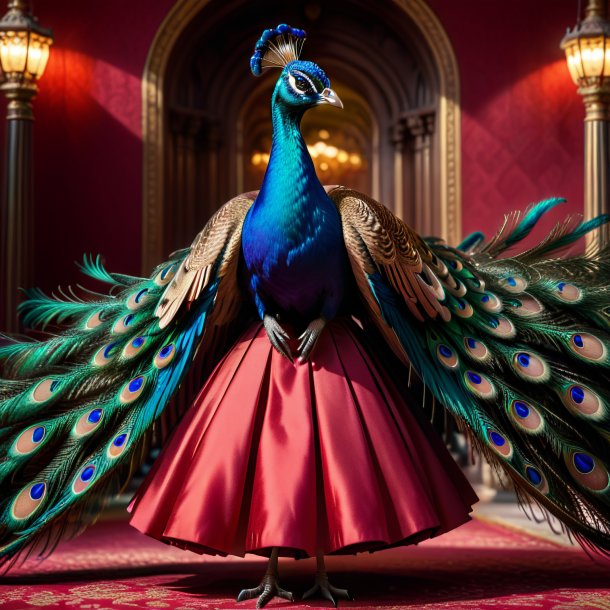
24	53
24	45
587	49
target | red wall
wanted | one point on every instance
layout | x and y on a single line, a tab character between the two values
88	146
521	125
522	118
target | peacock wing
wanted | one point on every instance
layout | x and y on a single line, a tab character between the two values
213	255
77	409
516	348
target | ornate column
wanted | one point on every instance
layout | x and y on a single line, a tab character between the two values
420	127
413	138
400	169
24	51
587	48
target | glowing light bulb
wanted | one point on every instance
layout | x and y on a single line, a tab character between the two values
323	134
323	166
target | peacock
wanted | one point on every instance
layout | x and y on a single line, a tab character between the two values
313	305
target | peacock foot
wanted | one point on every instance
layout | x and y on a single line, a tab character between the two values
323	588
277	336
309	337
266	591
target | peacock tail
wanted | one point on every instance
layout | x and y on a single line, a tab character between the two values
514	344
516	348
77	409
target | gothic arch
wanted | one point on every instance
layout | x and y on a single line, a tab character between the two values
443	136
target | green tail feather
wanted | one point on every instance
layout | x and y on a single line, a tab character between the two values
79	407
524	364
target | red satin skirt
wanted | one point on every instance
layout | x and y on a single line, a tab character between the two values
321	456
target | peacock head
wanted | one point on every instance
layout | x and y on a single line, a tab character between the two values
302	84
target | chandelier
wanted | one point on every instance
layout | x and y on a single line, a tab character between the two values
327	158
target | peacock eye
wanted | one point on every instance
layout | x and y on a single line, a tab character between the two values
301	84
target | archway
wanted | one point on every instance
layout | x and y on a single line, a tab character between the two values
204	114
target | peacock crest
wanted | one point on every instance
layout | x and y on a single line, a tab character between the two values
277	47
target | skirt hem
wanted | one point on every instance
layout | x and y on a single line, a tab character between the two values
370	546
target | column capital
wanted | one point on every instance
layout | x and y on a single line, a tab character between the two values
413	124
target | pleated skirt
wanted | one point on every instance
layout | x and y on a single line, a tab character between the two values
324	456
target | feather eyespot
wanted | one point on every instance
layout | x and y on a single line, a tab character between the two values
88	422
164	356
455	264
569	293
480	385
527	305
29	500
165	275
491	302
137	299
447	356
463	308
134	347
588	347
583	401
45	390
477	349
84	478
476	284
526	417
94	320
514	284
132	389
587	470
458	289
535	477
122	325
30	440
500	444
117	445
501	326
104	355
531	367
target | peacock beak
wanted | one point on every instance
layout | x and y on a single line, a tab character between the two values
328	96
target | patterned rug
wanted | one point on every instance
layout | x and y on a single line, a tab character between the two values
478	566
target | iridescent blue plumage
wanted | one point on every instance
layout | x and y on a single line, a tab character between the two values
292	239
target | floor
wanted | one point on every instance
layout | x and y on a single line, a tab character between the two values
498	560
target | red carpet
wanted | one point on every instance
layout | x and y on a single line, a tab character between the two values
477	566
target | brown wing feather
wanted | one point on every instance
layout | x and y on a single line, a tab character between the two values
218	244
376	240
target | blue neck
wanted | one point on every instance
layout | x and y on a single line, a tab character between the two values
290	180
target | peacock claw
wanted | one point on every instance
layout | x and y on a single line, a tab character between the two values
277	336
309	338
266	591
326	590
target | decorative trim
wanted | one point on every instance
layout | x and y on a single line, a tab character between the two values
449	115
174	24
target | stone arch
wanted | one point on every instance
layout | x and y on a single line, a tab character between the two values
415	145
